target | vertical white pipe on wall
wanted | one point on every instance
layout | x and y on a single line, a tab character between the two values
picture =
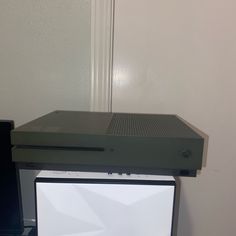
102	22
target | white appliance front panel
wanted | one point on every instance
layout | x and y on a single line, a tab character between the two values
104	209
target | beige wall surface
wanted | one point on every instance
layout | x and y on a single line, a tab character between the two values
179	57
44	57
44	64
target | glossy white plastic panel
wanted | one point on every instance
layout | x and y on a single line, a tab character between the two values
104	209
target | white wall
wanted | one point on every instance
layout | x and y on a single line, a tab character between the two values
44	57
44	63
179	57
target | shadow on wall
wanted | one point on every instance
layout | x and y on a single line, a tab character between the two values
183	218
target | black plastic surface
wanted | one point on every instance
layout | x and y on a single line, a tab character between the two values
11	219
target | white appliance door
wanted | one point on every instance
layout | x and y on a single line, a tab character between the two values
104	209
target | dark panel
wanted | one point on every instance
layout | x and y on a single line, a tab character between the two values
11	222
